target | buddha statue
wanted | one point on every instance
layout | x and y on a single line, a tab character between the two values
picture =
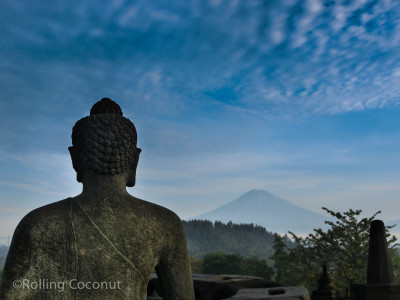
103	243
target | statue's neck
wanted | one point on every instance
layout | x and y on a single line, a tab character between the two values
98	185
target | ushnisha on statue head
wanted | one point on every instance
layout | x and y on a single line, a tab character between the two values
105	143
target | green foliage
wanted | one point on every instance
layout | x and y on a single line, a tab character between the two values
343	247
254	266
196	265
395	259
284	262
220	263
288	268
245	239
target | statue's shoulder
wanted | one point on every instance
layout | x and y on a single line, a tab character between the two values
39	246
49	216
157	212
44	226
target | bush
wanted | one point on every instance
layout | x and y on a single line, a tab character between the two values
219	263
253	266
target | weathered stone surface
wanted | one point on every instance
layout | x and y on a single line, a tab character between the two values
215	287
103	235
379	264
281	293
380	284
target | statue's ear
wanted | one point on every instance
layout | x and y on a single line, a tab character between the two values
76	163
132	171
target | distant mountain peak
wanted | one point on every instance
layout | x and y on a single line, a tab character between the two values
265	209
258	192
260	197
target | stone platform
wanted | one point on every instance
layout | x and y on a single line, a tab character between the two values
213	287
235	287
375	291
282	293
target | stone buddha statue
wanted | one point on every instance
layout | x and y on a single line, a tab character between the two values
103	243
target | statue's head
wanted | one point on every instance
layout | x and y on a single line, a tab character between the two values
105	143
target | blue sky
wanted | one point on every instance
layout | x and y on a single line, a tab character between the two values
300	98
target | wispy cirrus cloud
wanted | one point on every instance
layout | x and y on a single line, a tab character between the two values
324	57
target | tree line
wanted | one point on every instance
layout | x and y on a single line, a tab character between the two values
247	240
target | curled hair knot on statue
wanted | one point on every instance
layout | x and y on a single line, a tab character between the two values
105	141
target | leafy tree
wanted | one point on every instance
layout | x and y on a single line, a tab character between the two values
253	266
343	247
395	259
285	262
221	263
280	258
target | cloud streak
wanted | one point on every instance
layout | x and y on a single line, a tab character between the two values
310	56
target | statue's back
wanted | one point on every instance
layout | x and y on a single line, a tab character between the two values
104	243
